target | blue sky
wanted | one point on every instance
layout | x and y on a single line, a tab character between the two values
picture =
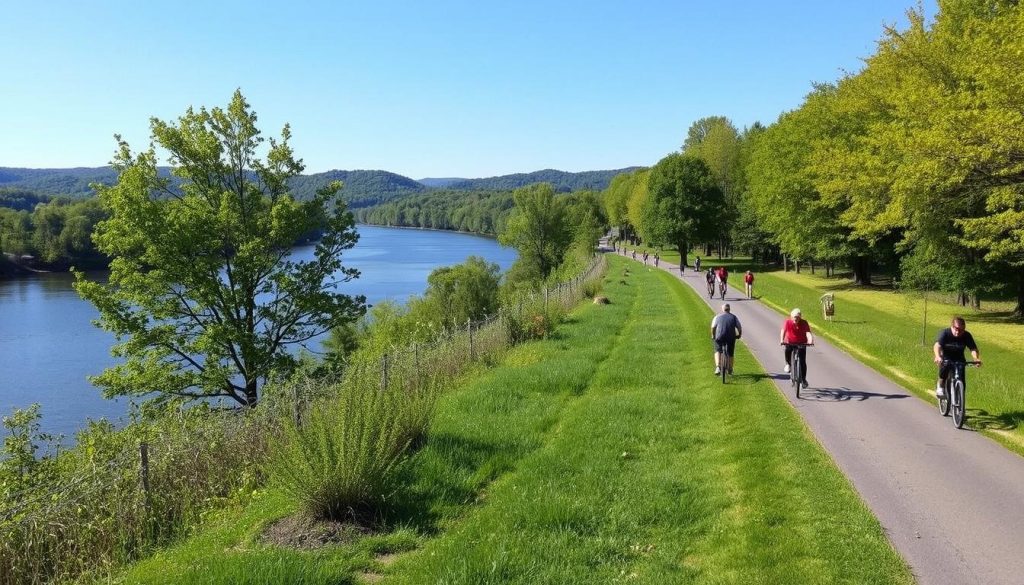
446	88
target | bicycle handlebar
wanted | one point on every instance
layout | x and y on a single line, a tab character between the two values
966	363
795	344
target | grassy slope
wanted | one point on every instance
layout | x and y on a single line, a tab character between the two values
886	330
608	453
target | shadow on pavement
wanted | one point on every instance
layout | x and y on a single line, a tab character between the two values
844	394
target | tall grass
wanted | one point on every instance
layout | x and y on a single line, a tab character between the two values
341	458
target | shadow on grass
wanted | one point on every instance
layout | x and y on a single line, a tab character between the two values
449	472
982	420
998	317
845	394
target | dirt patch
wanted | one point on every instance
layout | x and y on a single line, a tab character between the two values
302	532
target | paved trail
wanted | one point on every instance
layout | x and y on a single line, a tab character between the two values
951	502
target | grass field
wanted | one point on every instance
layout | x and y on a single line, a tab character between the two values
887	330
605	454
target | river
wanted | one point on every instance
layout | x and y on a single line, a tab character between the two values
48	344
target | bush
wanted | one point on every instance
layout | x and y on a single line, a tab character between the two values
339	460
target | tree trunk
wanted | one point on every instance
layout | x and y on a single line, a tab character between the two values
251	397
1018	312
796	264
785	263
812	265
861	270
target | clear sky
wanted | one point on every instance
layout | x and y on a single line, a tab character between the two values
445	88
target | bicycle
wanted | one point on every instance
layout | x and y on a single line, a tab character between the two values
711	290
721	289
955	397
795	365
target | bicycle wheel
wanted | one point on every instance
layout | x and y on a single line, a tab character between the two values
959	406
724	369
944	401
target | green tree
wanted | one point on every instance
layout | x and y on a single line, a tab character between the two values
464	292
686	202
203	295
538	229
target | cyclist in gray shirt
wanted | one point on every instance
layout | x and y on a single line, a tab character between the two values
725	330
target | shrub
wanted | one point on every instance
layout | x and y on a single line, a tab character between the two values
340	459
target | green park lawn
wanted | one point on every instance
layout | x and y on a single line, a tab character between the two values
608	453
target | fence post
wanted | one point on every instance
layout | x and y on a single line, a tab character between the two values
144	475
469	329
384	372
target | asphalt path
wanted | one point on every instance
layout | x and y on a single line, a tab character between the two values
951	501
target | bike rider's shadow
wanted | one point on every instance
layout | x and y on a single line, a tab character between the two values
843	394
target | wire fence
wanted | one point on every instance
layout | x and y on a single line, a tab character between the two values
101	505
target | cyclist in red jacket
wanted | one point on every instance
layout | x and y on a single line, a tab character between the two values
796	335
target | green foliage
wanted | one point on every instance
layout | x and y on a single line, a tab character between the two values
21	467
560	181
461	293
539	231
481	212
686	203
57	232
202	295
342	457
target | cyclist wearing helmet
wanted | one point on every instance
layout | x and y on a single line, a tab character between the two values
710	276
796	331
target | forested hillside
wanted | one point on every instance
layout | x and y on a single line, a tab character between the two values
562	181
360	187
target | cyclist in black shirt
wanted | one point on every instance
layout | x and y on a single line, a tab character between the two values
950	346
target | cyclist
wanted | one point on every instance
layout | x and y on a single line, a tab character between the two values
710	277
657	258
796	331
748	280
696	264
725	330
723	280
950	346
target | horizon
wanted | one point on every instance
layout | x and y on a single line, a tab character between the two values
458	90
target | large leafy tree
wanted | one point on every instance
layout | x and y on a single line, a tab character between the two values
461	293
203	295
686	203
717	142
539	230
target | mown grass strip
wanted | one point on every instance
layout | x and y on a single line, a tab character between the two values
659	474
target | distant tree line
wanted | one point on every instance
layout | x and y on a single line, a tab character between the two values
481	212
55	232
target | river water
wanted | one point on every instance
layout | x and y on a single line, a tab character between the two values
48	345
